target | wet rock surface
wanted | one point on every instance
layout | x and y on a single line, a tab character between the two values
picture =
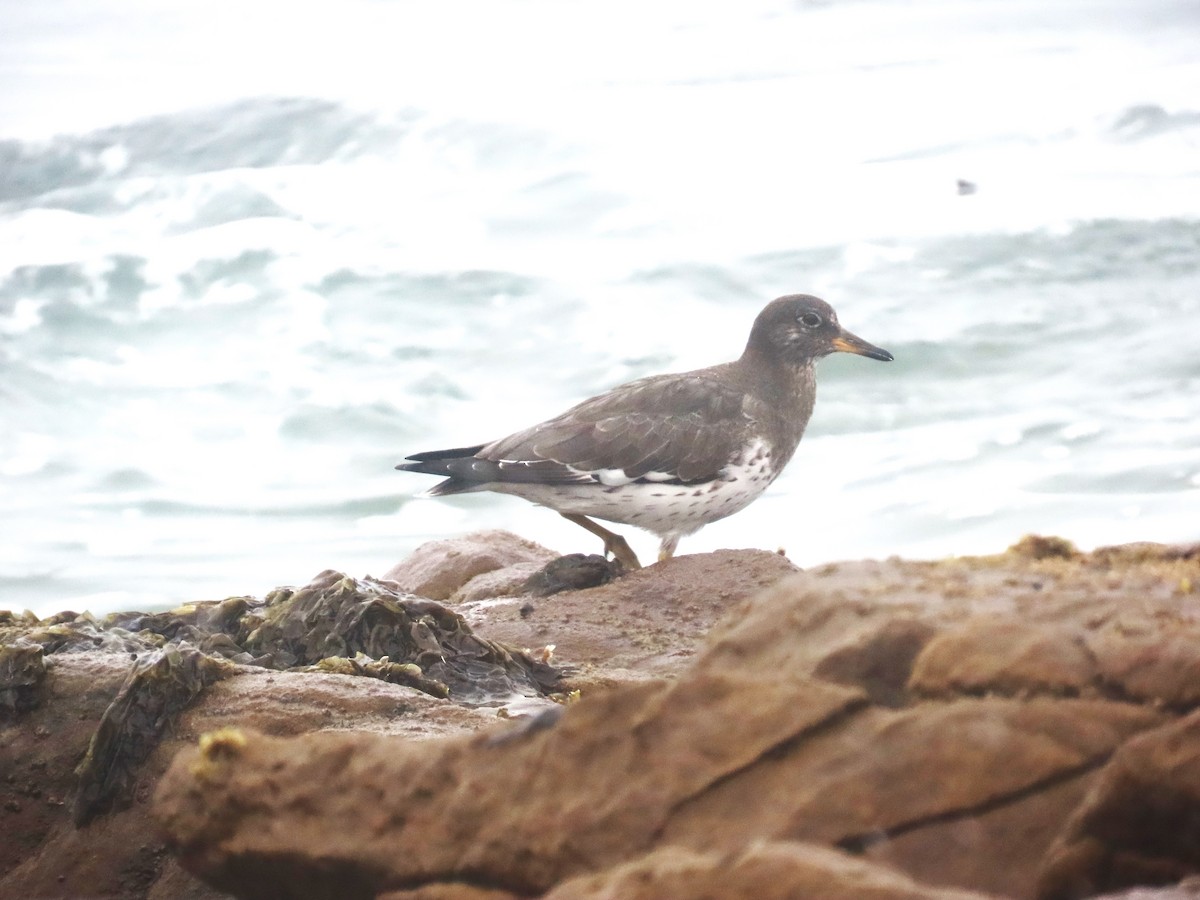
1021	725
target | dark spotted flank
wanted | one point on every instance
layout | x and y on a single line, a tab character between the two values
668	453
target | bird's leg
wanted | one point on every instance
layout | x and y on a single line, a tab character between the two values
613	543
667	548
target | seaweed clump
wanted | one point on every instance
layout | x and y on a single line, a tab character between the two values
22	668
157	688
335	623
375	630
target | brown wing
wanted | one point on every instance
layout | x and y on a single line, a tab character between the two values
682	428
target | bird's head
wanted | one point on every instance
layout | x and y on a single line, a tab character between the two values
800	328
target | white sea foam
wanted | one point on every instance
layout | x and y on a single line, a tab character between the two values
220	328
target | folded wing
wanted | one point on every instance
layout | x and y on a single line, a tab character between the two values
660	429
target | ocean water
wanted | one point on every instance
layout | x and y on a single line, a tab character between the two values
244	272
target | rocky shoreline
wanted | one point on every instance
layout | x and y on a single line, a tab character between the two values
477	725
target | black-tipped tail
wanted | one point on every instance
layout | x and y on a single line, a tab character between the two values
417	462
465	471
449	464
438	462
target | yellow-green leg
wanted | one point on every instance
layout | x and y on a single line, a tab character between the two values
613	543
667	548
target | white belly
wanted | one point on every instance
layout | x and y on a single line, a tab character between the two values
664	509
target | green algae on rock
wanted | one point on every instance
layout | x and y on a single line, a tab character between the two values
339	616
22	668
159	685
384	669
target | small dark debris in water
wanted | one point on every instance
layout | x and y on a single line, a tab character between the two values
572	572
157	688
22	668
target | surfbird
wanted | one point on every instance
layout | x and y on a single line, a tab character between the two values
668	453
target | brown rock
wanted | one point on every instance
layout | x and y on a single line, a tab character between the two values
506	582
1188	889
881	662
440	568
805	713
992	655
1145	552
1139	825
890	782
994	847
763	871
1154	665
457	891
121	854
753	743
646	623
1115	625
38	755
296	703
592	790
817	615
662	767
173	882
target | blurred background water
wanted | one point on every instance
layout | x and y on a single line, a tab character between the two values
250	259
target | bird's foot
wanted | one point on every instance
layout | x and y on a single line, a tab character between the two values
621	552
667	548
613	542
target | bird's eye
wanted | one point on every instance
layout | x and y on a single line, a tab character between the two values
811	320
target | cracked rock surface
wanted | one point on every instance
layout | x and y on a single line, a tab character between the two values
1021	725
972	727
